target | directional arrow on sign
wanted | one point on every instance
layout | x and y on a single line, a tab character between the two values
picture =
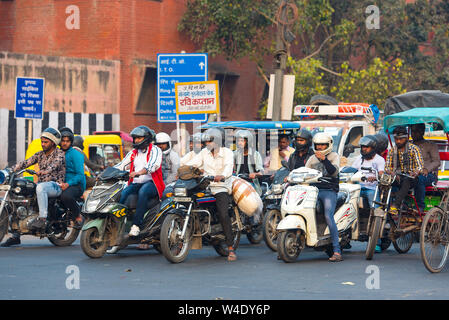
201	65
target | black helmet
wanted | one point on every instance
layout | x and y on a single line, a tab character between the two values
67	132
216	135
306	135
78	141
142	131
382	142
52	134
368	141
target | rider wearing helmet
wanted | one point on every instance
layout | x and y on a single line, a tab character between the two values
302	144
170	158
247	159
369	158
327	161
145	177
196	144
75	181
218	161
51	173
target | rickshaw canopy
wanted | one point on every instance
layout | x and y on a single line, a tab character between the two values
418	115
254	125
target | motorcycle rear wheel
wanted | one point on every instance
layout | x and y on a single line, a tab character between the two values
255	235
91	245
173	247
65	239
289	245
4	215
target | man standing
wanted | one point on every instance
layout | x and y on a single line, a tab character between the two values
218	161
51	174
282	152
75	180
431	157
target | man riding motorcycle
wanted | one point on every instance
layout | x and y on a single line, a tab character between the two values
326	161
302	153
369	159
51	173
75	181
218	161
145	178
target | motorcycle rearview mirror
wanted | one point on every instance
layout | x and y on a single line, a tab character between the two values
348	170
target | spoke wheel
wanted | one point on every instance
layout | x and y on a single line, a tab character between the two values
173	247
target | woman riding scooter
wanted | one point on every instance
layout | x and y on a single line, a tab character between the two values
326	161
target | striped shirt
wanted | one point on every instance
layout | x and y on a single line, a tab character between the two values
415	160
140	162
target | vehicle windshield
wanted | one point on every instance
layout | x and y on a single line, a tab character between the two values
105	154
335	132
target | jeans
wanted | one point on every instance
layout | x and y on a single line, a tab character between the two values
329	200
369	195
420	189
144	191
44	190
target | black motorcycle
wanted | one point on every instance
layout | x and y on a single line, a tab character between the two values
109	221
272	205
19	207
193	221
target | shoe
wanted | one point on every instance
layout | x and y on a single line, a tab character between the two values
37	223
378	249
143	246
135	231
10	242
113	250
232	256
78	222
336	258
394	210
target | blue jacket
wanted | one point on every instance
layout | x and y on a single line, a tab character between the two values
74	172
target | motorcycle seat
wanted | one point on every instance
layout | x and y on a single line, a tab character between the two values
131	202
341	199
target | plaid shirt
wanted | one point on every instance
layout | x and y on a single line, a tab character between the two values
416	162
54	164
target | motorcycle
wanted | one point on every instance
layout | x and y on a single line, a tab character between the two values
193	221
109	221
19	206
304	223
272	204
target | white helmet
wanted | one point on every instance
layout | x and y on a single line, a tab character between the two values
161	138
323	138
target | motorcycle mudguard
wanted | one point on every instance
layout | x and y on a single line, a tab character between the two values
292	221
96	223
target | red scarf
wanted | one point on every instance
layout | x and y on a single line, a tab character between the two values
156	176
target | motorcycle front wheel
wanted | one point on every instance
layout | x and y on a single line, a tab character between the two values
270	223
173	247
289	245
373	237
91	244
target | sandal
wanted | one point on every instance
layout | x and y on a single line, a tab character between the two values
336	258
143	246
232	256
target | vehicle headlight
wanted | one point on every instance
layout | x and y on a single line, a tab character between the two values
107	208
91	205
17	189
277	188
180	192
296	178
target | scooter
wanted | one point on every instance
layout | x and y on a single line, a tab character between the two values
304	223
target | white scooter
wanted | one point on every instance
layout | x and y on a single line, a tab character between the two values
304	223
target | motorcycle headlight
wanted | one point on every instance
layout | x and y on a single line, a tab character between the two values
180	192
91	205
17	189
277	188
107	208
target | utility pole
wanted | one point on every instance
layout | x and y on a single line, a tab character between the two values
280	61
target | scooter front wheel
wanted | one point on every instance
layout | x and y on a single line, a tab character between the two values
373	237
91	244
289	245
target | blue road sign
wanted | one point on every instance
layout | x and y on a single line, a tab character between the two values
173	68
29	103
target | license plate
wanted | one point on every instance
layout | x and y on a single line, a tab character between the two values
277	196
5	187
182	199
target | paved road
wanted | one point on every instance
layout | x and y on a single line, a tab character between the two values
37	270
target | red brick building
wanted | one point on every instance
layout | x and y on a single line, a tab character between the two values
114	49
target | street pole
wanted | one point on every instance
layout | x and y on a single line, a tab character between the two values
280	60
